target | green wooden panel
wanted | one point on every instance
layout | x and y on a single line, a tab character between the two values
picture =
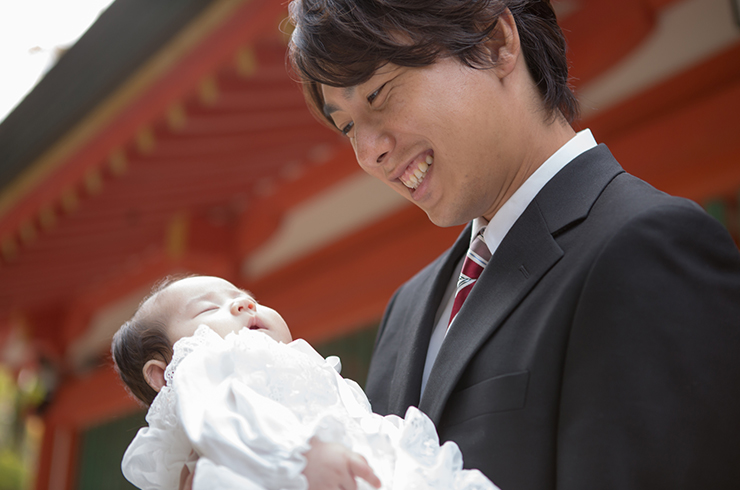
101	451
354	350
717	208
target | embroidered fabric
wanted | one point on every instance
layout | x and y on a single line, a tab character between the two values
161	409
246	406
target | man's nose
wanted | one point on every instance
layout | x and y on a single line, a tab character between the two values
373	145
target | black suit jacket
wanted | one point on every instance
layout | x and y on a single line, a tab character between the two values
600	348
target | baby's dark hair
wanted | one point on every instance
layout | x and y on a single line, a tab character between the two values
142	339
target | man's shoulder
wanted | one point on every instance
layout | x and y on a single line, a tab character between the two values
629	198
633	223
594	187
619	184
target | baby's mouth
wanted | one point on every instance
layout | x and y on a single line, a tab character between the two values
415	173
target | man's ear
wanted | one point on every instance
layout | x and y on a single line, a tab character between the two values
154	373
504	45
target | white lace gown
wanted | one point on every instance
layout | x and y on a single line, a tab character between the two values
241	412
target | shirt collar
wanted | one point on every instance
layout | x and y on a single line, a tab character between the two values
512	209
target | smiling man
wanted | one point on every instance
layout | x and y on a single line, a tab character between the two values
582	331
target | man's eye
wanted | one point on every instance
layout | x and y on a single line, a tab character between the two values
371	98
347	128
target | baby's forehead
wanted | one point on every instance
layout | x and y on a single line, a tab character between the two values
201	287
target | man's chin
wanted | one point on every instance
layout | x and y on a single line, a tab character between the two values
444	220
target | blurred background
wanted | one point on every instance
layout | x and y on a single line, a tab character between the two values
169	138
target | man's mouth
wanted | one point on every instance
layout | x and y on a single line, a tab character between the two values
415	173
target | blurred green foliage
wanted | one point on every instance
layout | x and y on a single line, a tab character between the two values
19	440
13	473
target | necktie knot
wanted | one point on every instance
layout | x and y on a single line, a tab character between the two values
475	261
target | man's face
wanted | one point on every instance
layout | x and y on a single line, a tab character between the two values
443	136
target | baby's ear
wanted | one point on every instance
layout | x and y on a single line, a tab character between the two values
154	373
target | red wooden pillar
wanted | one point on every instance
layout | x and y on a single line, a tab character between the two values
58	459
80	402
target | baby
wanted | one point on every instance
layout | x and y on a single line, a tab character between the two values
244	406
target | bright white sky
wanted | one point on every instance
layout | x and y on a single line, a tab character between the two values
30	31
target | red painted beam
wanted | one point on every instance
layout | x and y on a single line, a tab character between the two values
710	76
87	401
602	32
320	296
691	151
246	24
330	164
298	136
127	278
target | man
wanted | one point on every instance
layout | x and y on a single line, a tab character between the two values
597	347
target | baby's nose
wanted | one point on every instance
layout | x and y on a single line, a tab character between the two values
242	305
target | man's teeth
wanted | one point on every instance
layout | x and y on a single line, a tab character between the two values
414	179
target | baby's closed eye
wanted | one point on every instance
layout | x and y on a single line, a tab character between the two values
206	310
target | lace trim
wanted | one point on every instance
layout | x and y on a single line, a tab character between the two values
162	410
161	414
185	346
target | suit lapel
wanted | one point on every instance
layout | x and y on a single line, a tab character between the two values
418	324
522	259
526	254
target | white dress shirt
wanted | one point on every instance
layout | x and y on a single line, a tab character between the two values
497	229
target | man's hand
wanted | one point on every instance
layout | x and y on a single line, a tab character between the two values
186	479
331	466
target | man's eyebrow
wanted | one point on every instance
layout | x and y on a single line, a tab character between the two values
347	93
330	109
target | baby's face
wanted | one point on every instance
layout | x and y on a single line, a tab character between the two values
219	304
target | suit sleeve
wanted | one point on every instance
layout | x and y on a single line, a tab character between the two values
651	383
384	321
382	365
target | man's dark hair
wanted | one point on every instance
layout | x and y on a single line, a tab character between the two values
141	339
341	43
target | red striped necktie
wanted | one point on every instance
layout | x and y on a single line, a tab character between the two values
475	261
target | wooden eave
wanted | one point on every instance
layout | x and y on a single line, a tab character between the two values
187	156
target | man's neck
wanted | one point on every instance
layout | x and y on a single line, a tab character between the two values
541	143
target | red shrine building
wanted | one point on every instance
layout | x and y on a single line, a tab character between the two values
171	139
